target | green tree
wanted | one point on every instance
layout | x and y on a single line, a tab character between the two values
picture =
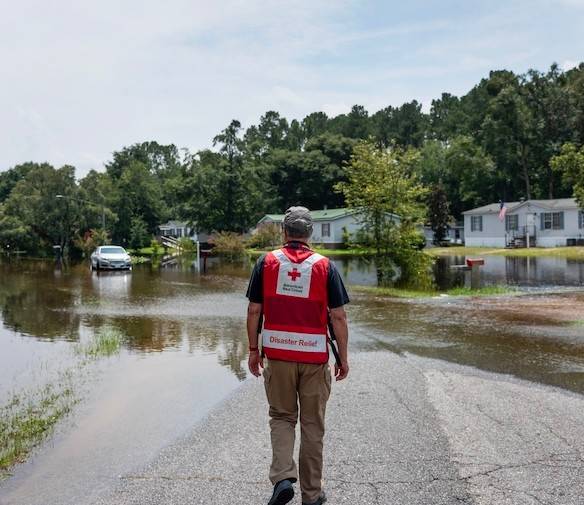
99	190
164	163
10	178
15	235
447	118
137	194
384	189
139	235
33	206
315	124
472	178
509	134
404	126
575	85
438	212
569	164
231	165
548	97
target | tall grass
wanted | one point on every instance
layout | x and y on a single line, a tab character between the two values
28	418
106	342
570	252
395	292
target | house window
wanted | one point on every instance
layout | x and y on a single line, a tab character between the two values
552	221
512	222
476	223
581	219
326	230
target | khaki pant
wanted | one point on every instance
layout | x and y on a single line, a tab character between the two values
287	385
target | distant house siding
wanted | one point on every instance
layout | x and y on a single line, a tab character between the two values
492	234
328	232
496	234
554	237
335	230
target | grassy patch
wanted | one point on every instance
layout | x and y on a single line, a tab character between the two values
410	293
578	322
149	251
138	260
394	292
106	342
576	252
27	419
484	291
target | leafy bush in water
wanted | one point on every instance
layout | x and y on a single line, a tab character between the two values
266	236
228	243
185	244
91	240
156	247
346	238
139	235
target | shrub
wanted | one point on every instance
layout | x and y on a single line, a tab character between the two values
228	243
267	235
139	235
156	248
185	244
91	240
346	238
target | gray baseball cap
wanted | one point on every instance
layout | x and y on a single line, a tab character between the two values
298	222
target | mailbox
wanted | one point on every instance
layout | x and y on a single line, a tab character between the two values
470	262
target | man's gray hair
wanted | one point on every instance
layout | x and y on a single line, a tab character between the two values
297	222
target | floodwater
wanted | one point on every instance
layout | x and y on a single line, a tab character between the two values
539	271
185	349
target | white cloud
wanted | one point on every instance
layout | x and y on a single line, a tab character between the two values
568	65
80	80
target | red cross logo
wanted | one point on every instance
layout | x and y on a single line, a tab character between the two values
294	274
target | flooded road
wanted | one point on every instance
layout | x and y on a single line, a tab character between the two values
185	347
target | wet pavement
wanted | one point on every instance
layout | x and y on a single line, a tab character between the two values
401	430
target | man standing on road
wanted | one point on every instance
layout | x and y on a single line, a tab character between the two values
296	289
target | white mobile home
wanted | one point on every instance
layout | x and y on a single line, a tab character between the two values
541	223
454	234
329	225
179	229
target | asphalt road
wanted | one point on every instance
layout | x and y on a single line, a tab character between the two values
400	430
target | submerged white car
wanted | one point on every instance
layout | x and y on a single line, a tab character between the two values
110	257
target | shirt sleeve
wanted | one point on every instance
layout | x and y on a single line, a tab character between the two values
255	291
337	294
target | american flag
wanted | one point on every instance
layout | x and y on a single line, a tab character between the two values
502	210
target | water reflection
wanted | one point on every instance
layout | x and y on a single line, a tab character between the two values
113	285
520	271
530	337
27	296
156	309
176	308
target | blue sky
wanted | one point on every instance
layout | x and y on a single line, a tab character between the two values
80	80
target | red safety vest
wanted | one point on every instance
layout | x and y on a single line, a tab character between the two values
295	306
